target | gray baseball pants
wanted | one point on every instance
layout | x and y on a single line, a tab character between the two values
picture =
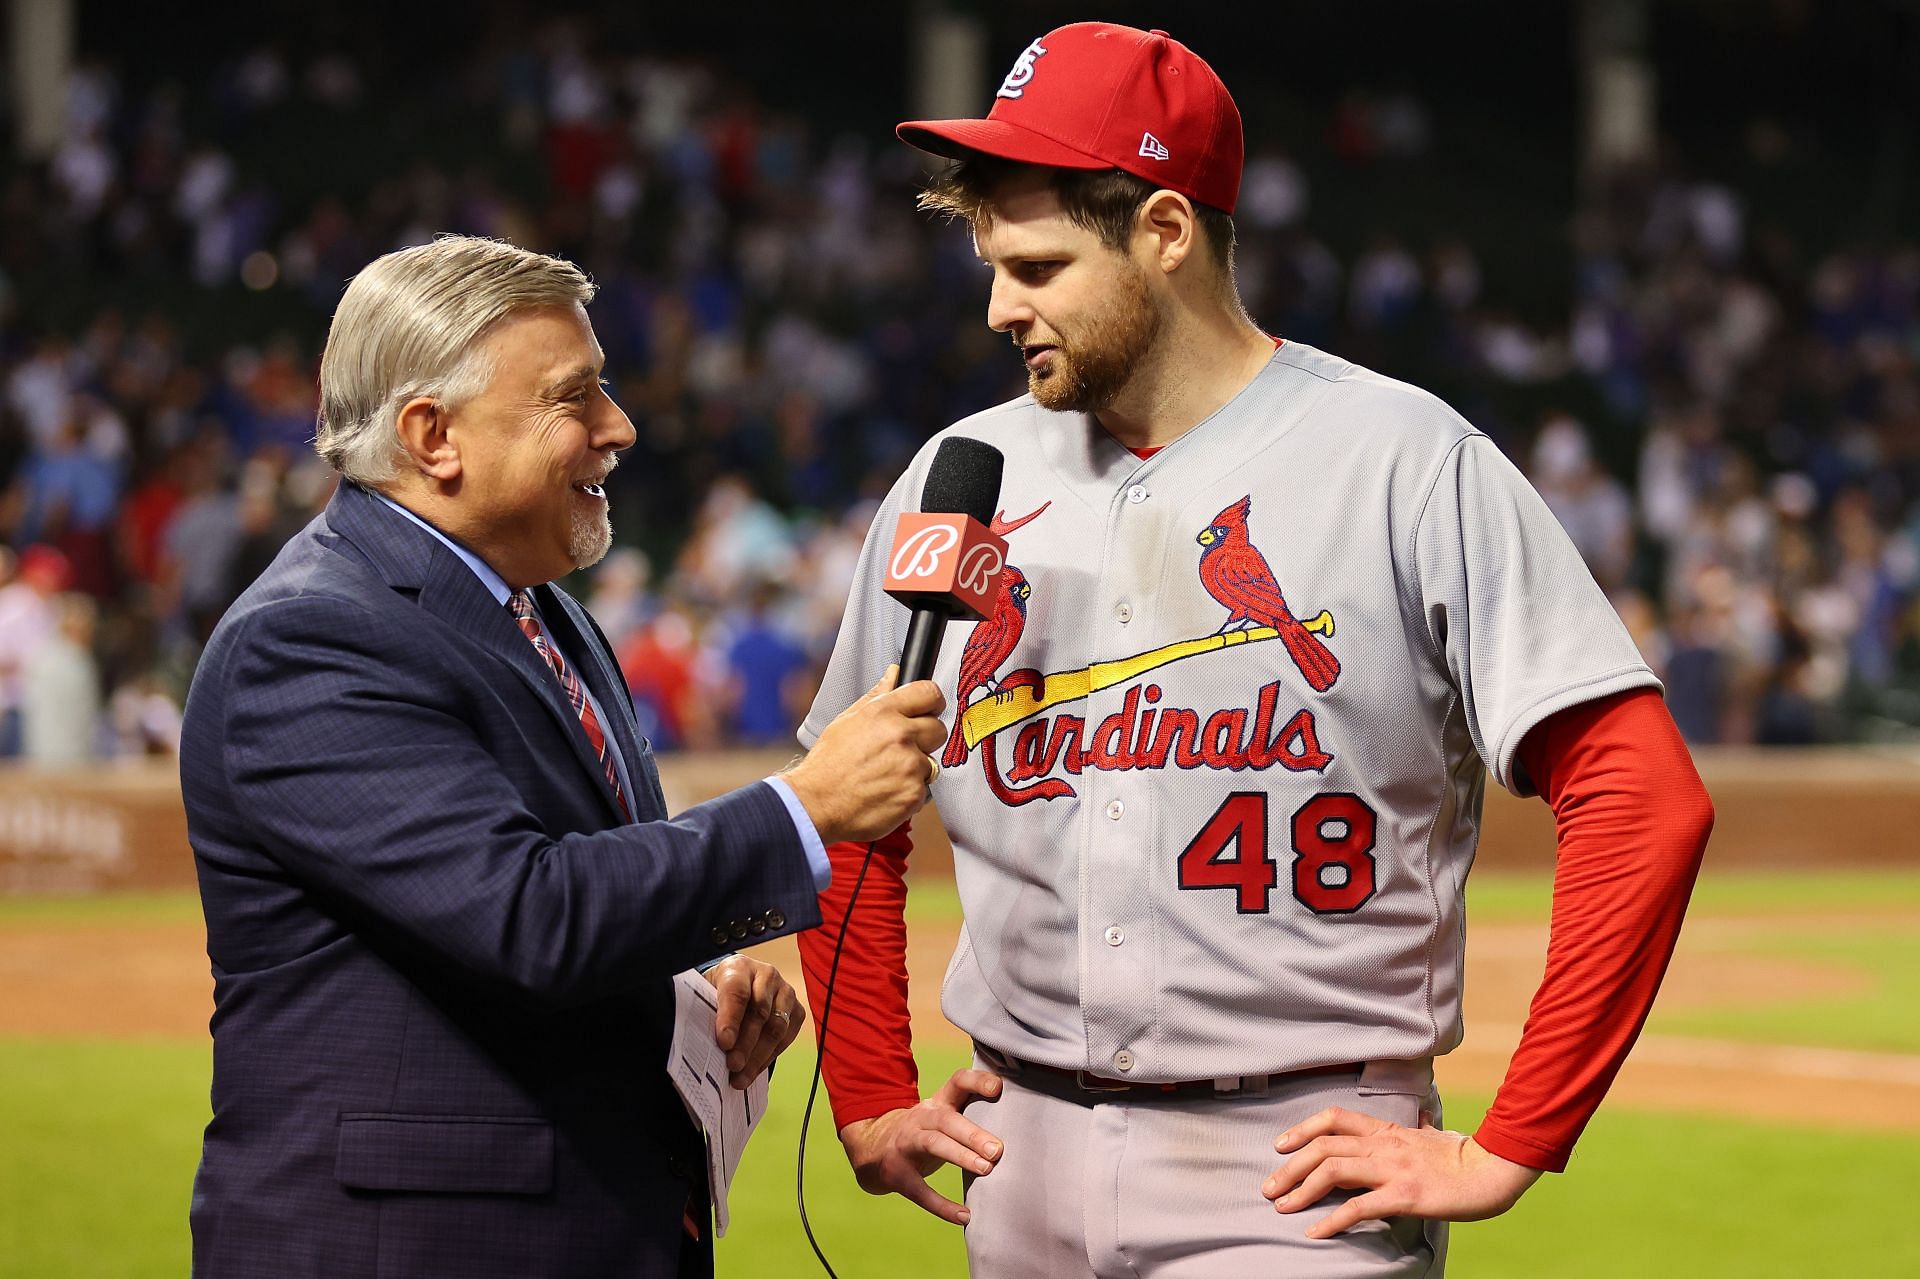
1169	1188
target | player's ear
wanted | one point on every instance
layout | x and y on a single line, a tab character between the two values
1167	227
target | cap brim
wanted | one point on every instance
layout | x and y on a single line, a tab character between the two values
956	138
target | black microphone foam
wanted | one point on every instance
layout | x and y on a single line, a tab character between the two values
964	479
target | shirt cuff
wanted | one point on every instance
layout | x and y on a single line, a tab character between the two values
809	837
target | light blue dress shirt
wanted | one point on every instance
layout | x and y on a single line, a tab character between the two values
497	585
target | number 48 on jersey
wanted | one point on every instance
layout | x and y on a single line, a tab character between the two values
1333	865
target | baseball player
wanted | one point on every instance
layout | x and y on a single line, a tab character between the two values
1215	770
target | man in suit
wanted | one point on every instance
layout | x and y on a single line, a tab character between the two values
444	899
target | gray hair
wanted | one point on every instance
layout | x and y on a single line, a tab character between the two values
410	325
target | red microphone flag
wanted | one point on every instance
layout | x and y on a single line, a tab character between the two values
950	562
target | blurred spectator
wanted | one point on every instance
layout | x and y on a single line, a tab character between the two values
29	621
621	602
662	662
201	542
60	703
144	719
766	689
1590	505
784	332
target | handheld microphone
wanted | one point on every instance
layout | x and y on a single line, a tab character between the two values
946	562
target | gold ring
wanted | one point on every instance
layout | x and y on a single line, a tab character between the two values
933	763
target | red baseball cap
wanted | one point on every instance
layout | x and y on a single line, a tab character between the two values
1097	96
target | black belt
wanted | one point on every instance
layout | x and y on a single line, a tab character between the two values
1088	1089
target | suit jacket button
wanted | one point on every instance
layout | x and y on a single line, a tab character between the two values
739	930
776	919
719	936
758	925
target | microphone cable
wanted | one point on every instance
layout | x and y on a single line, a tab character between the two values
813	1089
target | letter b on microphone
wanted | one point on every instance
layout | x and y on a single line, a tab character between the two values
948	562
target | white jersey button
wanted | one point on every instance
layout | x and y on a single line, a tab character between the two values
1137	494
1115	936
1114	809
1123	1060
1123	611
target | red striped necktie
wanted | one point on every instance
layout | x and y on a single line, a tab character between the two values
520	604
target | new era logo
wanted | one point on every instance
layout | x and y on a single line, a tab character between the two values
1153	148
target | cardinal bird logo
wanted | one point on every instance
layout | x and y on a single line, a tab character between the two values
992	641
1236	574
990	645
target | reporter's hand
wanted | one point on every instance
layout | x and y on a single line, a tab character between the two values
1405	1172
870	770
894	1152
759	1015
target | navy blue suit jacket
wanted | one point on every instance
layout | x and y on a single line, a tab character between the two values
441	960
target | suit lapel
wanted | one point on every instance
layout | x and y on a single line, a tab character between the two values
411	559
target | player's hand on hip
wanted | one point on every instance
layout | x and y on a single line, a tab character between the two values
759	1015
1402	1172
870	769
894	1152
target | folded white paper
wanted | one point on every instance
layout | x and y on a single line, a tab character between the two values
699	1071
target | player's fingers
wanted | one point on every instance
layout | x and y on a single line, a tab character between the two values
1309	1157
1329	1175
1331	1120
1360	1208
964	1084
937	1144
917	1191
957	1127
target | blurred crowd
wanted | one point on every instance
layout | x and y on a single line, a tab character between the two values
1727	421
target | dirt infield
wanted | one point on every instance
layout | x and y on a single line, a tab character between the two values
150	980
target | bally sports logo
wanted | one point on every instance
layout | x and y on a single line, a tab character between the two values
980	568
948	557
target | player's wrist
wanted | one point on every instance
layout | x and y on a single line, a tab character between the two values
1508	1178
861	1130
1515	1148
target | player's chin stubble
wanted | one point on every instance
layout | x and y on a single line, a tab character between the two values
1088	373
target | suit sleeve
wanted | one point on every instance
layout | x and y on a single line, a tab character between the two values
1633	820
363	779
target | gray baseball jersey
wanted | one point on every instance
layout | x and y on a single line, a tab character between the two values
1215	779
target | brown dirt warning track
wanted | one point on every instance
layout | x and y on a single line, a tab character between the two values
149	980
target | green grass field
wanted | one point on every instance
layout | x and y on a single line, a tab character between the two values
98	1139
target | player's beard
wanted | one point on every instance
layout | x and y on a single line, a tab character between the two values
1087	372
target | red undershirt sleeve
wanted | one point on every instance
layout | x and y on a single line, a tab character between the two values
868	1063
1632	819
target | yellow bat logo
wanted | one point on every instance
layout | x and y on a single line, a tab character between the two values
1000	711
